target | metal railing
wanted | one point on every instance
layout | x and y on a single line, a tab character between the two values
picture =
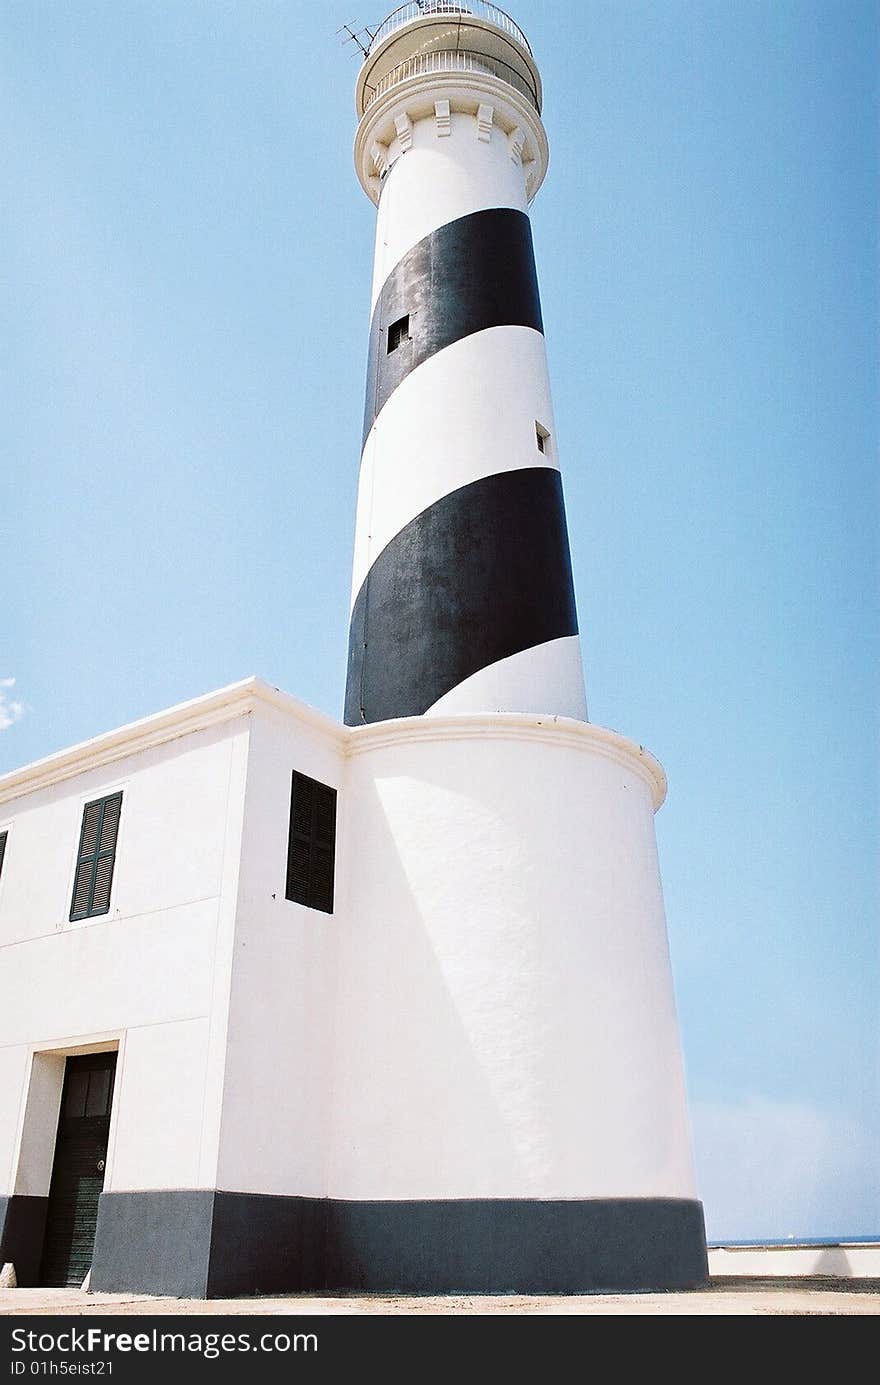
447	9
448	60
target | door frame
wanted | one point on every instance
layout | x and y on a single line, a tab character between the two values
79	1169
37	1136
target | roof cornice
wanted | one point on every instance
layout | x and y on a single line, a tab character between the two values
241	699
583	736
226	704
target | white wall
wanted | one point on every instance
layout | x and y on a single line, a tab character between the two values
506	1023
278	1086
159	1107
487	1013
149	968
860	1261
171	837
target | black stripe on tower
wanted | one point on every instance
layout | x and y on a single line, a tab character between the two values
473	273
481	574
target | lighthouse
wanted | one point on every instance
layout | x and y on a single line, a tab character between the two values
295	1004
462	597
528	1082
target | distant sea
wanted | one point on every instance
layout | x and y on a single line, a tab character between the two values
798	1241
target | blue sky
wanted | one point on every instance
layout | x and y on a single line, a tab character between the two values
185	298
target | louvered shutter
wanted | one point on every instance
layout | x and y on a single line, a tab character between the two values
96	857
311	846
3	836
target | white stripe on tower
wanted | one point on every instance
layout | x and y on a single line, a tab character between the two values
462	598
456	445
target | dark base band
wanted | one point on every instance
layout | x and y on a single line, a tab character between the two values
206	1244
22	1228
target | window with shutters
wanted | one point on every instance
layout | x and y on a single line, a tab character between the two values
311	844
95	858
3	839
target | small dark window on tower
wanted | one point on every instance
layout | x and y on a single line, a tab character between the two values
311	844
543	438
398	332
95	858
3	837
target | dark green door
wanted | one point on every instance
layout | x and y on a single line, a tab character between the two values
78	1171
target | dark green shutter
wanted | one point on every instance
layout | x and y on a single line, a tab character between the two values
95	858
311	844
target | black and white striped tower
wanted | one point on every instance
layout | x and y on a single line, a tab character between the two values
508	1099
462	596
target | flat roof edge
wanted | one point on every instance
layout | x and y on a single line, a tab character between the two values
184	718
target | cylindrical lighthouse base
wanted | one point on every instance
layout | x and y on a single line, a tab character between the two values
508	1093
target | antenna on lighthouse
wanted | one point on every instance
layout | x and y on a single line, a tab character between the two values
355	36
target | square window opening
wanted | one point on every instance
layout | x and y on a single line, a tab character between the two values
542	437
398	333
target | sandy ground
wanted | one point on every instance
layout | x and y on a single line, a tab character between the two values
748	1298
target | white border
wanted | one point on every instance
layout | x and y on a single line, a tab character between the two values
100	1041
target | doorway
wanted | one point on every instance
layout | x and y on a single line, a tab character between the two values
78	1168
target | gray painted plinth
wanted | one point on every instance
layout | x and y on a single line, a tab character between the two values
206	1244
22	1228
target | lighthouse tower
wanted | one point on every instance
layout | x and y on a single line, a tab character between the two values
462	598
516	1092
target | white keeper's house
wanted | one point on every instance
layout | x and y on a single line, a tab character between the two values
386	1004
